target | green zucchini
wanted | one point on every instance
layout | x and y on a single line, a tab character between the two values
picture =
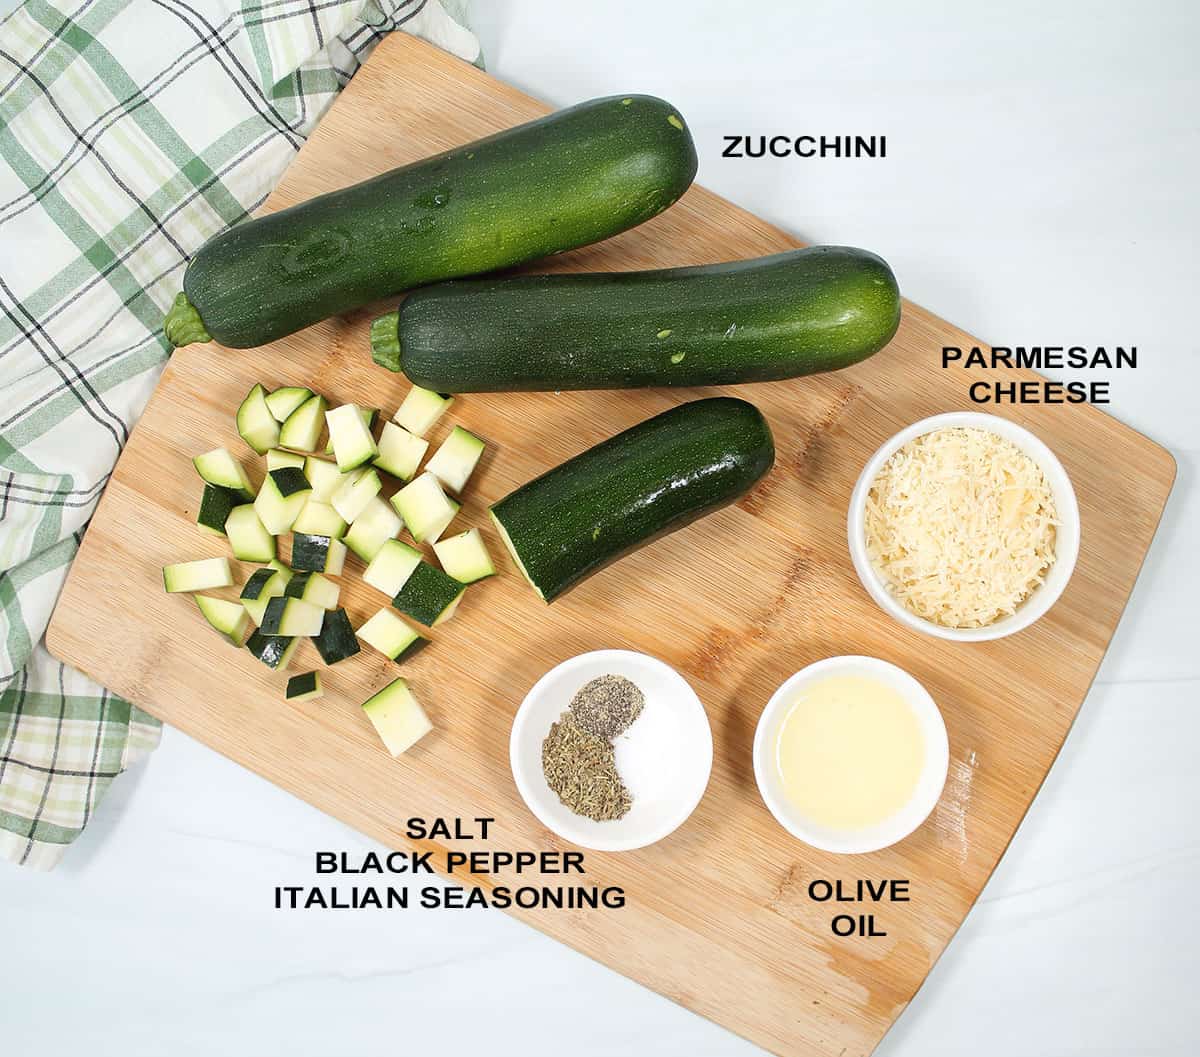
649	480
796	313
565	180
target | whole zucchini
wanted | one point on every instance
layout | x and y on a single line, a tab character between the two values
651	479
794	313
565	180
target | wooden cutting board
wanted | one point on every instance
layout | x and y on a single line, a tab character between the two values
718	917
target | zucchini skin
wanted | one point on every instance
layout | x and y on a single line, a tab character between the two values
784	316
566	180
791	314
649	480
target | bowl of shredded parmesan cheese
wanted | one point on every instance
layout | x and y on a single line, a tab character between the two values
964	526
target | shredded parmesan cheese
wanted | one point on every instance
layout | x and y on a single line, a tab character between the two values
960	525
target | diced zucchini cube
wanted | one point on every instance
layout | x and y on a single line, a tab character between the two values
200	575
314	588
429	596
282	496
219	467
337	640
278	459
397	717
368	415
324	477
377	524
302	430
275	651
228	618
304	687
318	519
455	461
321	554
390	569
421	409
356	491
387	633
255	423
292	617
400	452
215	505
353	444
282	402
465	556
425	508
248	536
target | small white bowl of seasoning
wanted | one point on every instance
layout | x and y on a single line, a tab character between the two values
1036	578
662	759
851	754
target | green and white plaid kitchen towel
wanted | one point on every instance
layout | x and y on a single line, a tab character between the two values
130	132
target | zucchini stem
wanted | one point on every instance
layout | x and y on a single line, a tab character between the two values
385	341
182	325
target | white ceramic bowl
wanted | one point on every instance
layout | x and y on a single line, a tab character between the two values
664	758
929	785
1066	537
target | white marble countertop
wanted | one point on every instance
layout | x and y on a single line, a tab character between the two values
1040	188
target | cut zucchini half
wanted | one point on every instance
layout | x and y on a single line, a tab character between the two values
248	536
355	493
353	444
377	524
215	505
337	640
391	636
302	430
317	554
400	452
199	575
425	508
390	569
292	617
304	687
219	467
314	588
368	415
282	402
465	557
421	409
397	717
278	459
255	423
324	477
429	596
229	618
318	519
455	461
275	651
281	498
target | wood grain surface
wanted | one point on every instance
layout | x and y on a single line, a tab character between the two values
718	918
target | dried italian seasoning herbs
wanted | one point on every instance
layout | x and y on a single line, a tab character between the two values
582	769
607	706
578	758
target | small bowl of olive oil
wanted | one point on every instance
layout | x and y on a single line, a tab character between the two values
851	754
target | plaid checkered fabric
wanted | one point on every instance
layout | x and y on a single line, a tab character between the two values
130	132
